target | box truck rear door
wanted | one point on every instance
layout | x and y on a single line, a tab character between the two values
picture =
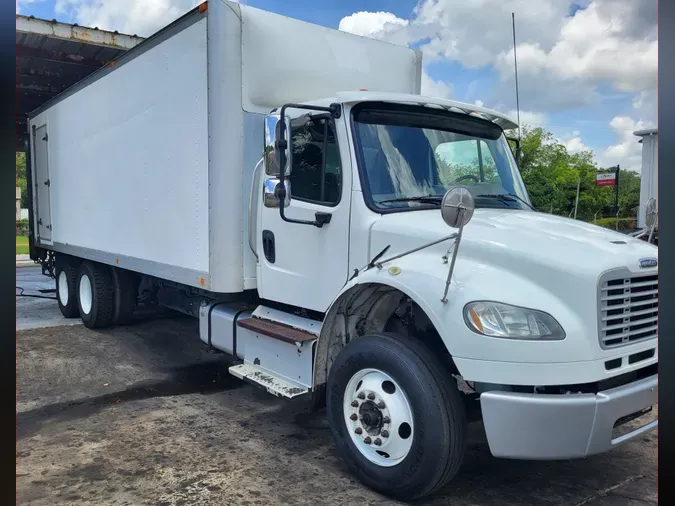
42	183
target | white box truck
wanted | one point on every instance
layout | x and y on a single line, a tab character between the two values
345	239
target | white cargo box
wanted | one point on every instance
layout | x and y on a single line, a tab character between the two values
146	164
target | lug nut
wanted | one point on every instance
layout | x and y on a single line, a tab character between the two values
385	433
358	431
355	404
354	417
371	396
367	440
361	395
381	405
386	419
378	442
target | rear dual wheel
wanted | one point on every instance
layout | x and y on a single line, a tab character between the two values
396	416
95	295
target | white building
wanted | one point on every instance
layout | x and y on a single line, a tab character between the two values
649	176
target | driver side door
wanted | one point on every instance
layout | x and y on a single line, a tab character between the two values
299	264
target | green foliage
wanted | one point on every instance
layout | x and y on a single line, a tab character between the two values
624	223
21	178
21	228
551	175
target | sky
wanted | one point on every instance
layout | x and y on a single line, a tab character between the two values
586	68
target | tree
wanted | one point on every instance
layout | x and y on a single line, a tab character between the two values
21	178
551	174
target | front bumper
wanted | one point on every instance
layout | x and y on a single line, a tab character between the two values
552	427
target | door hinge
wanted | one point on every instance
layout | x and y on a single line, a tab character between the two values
48	227
46	137
40	221
48	183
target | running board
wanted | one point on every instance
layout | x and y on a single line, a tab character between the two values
277	349
273	383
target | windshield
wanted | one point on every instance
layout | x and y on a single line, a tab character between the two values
409	156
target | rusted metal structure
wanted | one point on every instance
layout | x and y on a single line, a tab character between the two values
52	56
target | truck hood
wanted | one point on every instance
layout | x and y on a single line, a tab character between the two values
516	240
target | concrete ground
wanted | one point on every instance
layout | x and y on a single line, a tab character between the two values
35	302
145	414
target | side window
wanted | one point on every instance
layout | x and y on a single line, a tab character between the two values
316	173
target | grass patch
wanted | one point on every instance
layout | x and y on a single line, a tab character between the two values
21	245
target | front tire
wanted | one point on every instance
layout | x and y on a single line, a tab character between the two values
396	416
95	295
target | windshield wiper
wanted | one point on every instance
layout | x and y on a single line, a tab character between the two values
424	199
506	197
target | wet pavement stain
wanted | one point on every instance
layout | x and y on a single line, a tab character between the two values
205	378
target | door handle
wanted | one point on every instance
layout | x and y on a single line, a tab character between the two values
322	219
268	246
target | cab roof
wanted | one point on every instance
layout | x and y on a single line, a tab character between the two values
349	97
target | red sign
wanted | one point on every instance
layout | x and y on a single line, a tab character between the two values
607	179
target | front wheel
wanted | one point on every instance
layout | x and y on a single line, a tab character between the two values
396	416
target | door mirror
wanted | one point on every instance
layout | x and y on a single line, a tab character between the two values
276	158
457	207
514	144
270	192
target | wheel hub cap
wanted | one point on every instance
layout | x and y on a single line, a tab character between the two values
63	288
86	298
378	417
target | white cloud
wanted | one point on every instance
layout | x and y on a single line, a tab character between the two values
561	59
479	103
528	118
645	104
627	152
371	24
141	17
594	46
434	88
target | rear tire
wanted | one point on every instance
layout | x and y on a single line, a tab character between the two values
95	295
125	290
66	293
418	406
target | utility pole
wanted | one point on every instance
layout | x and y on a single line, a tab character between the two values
576	202
515	66
616	197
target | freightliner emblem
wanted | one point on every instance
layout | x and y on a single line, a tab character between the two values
648	263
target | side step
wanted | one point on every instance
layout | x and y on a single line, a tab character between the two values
274	384
278	351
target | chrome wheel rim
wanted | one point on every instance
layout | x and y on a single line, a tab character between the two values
378	417
63	288
85	294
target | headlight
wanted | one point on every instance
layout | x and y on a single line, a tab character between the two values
495	319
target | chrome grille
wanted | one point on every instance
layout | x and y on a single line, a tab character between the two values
629	309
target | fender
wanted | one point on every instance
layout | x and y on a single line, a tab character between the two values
367	301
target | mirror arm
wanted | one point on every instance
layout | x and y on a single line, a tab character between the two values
280	191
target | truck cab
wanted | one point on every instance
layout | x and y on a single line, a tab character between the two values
551	323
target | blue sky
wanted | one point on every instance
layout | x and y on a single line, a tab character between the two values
587	68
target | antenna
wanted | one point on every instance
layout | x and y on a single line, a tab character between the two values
515	63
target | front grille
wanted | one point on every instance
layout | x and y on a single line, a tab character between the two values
629	309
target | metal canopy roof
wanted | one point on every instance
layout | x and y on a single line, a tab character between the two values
52	56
